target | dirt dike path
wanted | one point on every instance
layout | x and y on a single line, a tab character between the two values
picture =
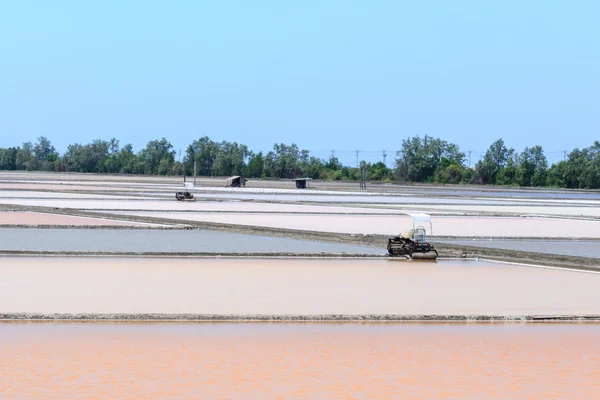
91	317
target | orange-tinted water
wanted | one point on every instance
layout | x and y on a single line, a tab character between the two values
303	361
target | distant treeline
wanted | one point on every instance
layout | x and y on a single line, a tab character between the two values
421	159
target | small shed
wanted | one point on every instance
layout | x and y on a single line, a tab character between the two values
236	181
301	183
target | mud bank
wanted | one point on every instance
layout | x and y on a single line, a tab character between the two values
296	318
196	255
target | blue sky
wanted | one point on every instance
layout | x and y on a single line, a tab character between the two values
342	75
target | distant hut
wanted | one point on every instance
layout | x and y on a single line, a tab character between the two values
236	181
301	183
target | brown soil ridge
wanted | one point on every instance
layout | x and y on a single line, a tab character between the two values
296	317
274	254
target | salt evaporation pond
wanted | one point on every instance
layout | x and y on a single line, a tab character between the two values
165	241
302	197
308	361
513	194
279	287
306	198
38	218
578	248
454	226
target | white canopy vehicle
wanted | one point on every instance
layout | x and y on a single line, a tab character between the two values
412	244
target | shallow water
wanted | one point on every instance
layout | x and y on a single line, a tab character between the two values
104	240
299	361
291	287
569	248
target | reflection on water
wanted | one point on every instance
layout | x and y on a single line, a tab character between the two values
308	361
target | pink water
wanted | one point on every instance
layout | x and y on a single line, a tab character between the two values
299	361
291	286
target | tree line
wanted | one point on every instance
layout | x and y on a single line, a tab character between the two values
421	159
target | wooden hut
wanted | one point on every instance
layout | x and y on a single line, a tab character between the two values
236	181
302	183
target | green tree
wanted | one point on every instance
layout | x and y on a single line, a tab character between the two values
590	175
314	168
283	161
494	160
90	157
111	163
205	152
449	172
44	151
333	164
468	176
533	167
231	159
255	166
8	158
157	158
419	158
557	174
378	172
507	175
25	158
128	161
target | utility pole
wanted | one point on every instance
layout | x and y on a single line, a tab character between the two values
332	153
356	158
565	155
363	175
195	170
469	158
384	157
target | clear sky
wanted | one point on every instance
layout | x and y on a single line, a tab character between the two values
325	74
